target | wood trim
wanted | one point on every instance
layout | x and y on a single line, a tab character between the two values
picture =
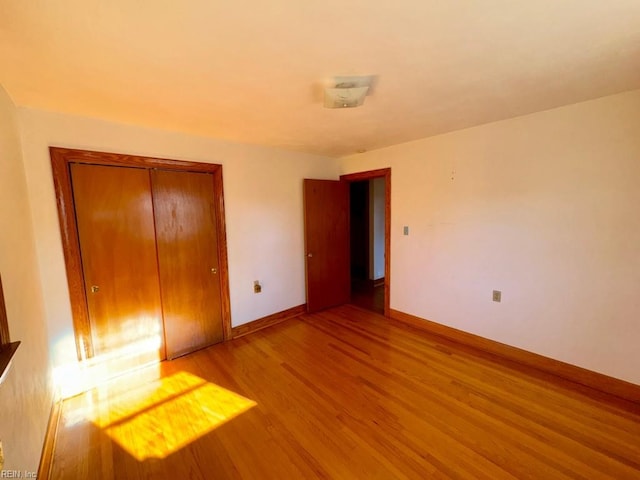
50	437
60	165
223	259
368	175
7	352
61	159
7	348
268	321
5	338
597	381
126	160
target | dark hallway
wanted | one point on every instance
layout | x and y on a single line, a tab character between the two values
367	289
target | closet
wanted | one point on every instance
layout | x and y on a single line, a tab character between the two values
148	252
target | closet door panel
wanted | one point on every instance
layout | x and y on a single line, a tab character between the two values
188	259
114	213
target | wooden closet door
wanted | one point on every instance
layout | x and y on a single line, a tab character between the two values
187	242
114	213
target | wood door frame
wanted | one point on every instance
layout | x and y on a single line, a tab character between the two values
386	174
61	160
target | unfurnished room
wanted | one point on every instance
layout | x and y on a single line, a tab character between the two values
320	240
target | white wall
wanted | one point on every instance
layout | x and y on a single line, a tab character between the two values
26	394
376	228
543	207
263	201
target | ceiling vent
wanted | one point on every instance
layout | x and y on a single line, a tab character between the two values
348	92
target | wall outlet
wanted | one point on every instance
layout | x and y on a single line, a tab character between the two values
497	296
405	230
257	288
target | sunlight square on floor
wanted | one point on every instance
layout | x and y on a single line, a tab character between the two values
163	417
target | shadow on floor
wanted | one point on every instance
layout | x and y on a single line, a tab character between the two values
365	295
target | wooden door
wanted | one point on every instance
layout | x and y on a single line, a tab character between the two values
188	259
326	228
114	214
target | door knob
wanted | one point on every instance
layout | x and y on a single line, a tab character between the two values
95	288
214	270
310	255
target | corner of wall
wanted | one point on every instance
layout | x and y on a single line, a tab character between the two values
27	393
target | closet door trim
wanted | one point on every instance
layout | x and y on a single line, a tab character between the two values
61	160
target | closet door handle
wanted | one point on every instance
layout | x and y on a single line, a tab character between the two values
95	288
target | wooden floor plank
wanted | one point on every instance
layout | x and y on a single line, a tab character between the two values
344	394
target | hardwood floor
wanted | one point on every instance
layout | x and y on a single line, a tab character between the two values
366	296
345	394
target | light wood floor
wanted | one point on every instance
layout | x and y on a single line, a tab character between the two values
344	394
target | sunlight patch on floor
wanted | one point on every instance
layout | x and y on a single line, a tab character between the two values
164	416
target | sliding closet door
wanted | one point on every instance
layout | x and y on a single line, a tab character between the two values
114	213
188	259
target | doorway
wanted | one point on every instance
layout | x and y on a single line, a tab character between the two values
370	238
367	242
145	252
327	239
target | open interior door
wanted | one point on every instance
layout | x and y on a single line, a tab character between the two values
326	234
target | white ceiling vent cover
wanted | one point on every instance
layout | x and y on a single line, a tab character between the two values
348	92
344	96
